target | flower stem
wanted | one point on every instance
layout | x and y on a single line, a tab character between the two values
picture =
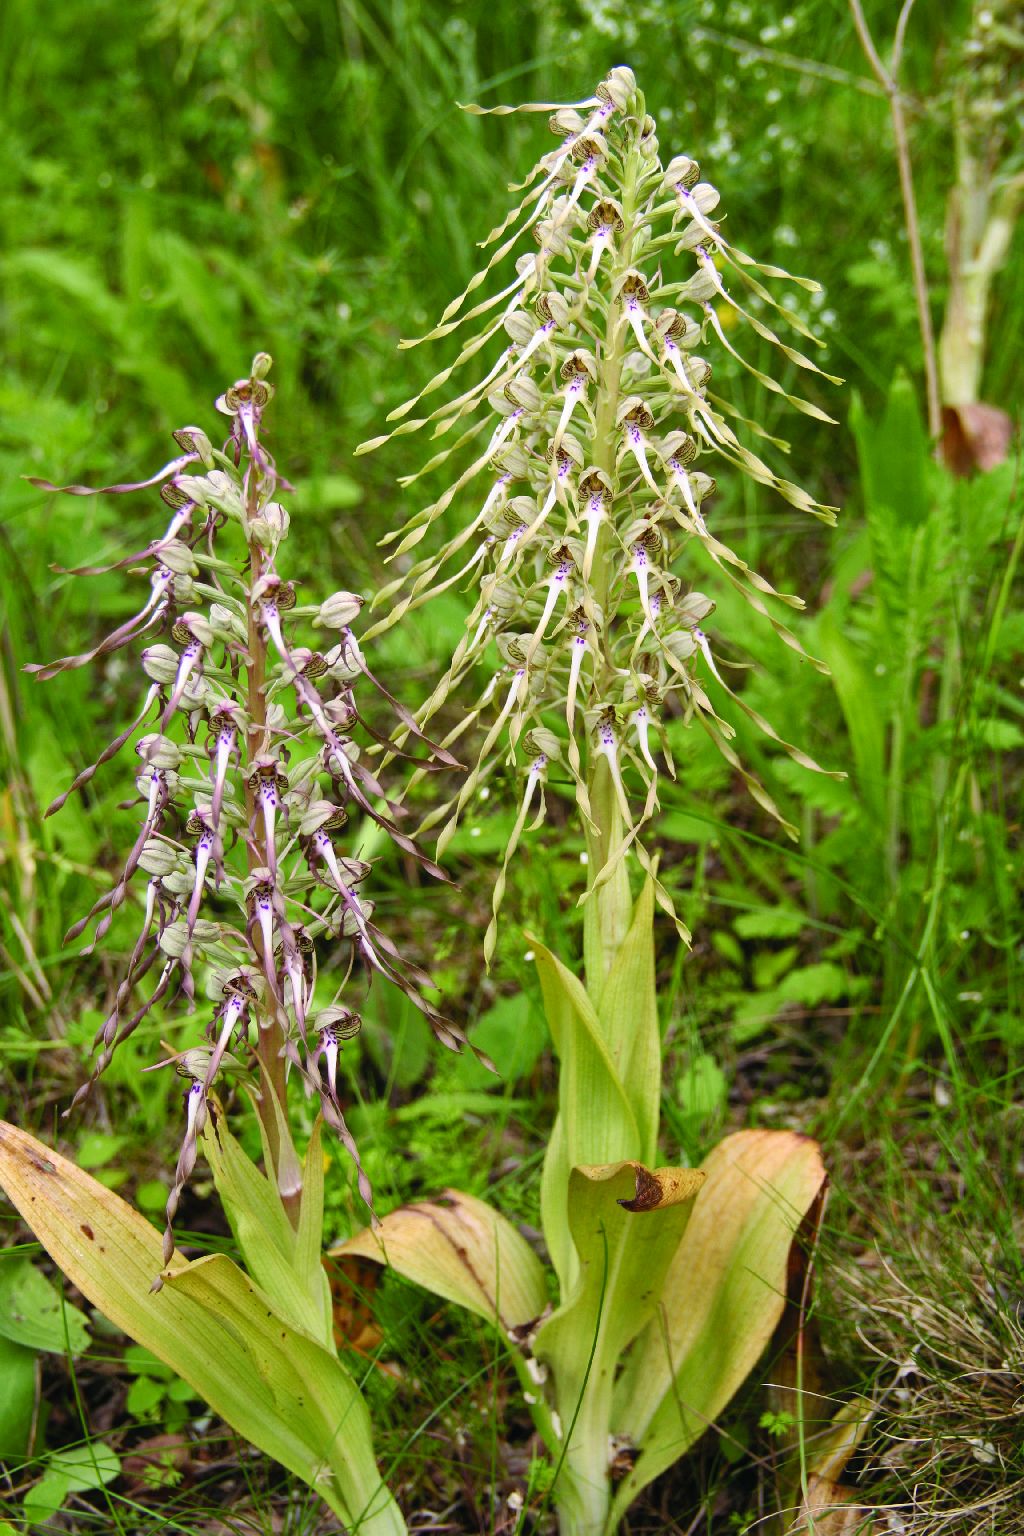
270	1045
608	910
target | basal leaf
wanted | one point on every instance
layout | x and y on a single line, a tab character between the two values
211	1324
722	1298
627	1221
596	1123
264	1233
462	1249
628	1013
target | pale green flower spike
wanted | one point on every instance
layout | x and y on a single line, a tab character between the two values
586	493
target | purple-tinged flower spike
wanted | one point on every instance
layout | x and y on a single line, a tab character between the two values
237	697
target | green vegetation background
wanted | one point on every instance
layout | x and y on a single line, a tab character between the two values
185	182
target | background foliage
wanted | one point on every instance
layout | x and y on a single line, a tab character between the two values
188	181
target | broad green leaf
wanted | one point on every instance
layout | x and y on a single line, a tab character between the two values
596	1123
628	1014
859	700
309	1264
211	1324
77	1469
626	1222
33	1312
722	1298
17	1398
462	1249
264	1233
894	453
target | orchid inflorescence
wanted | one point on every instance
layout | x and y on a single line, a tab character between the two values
591	431
247	771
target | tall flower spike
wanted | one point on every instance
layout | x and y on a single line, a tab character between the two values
626	260
255	727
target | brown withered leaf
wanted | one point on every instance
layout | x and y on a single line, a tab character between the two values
461	1249
974	437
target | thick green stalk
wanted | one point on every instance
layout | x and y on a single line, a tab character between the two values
608	910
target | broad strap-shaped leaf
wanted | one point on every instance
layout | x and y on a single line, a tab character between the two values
627	1221
722	1298
628	1013
596	1123
462	1249
211	1324
266	1237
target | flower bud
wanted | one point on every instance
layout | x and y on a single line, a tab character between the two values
261	365
321	814
700	287
226	624
520	327
681	171
693	609
618	87
350	925
159	752
552	307
523	394
175	939
194	488
277	519
681	644
224	494
194	626
177	557
338	611
160	664
158	858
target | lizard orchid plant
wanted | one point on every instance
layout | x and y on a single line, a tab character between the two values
583	523
246	773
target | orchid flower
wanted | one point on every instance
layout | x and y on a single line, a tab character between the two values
635	419
578	371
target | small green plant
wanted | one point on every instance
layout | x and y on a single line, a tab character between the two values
590	434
